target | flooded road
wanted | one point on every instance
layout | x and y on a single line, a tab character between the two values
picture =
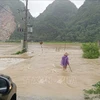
6	62
41	76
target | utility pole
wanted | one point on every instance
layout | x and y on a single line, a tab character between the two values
25	44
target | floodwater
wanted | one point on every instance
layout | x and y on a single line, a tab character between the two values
6	62
41	77
6	57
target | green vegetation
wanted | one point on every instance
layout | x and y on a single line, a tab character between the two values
51	24
19	52
93	93
90	50
85	25
61	21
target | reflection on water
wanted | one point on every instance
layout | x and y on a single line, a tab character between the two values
65	73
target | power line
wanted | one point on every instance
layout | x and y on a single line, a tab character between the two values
5	9
4	20
2	6
8	12
25	45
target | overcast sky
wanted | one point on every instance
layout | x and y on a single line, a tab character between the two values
38	6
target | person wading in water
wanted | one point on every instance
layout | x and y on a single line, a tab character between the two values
65	61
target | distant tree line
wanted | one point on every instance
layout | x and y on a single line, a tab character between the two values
62	21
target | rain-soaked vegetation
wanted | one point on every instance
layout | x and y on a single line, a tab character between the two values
93	93
90	50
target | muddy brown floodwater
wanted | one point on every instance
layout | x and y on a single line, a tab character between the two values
40	77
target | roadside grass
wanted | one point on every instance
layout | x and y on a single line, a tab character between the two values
19	52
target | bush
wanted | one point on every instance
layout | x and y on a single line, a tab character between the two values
93	93
90	50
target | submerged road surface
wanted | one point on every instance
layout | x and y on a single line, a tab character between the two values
41	77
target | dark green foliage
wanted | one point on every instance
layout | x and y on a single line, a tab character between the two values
51	24
17	36
90	50
93	93
20	52
85	25
61	21
95	90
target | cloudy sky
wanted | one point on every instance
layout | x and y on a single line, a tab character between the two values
38	6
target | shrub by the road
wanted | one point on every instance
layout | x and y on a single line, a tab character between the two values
94	93
90	50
